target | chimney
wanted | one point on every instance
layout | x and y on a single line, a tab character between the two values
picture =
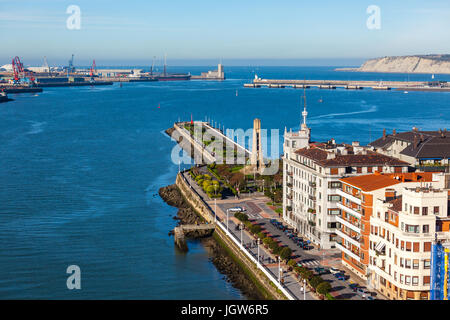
331	155
416	142
421	137
394	132
384	134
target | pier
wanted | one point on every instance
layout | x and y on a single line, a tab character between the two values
191	230
348	84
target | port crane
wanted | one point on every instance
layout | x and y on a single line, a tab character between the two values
70	68
20	75
93	70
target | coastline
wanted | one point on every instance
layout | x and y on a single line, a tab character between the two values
224	261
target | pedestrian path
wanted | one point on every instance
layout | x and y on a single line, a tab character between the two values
309	263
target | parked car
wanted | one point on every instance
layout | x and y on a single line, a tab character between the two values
334	270
370	298
236	209
341	277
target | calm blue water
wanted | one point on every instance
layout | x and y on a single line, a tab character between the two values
80	168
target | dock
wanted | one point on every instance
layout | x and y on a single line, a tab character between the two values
191	230
348	84
19	89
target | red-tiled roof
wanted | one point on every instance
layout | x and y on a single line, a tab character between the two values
376	181
370	159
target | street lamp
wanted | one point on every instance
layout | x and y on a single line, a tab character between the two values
242	228
215	210
227	220
258	253
279	269
304	289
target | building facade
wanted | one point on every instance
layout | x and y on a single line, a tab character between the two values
311	185
389	223
426	150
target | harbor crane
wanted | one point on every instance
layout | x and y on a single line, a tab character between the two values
20	74
93	70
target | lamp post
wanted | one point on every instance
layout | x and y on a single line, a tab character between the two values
227	220
279	269
242	228
258	253
304	289
215	210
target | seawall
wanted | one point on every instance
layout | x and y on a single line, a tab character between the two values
267	288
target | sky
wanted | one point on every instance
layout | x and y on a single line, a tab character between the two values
200	32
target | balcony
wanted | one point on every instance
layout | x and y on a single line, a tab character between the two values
289	196
345	236
311	197
289	185
347	251
349	210
312	184
289	208
354	227
289	173
348	196
311	210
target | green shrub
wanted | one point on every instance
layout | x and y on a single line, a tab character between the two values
267	241
285	253
329	296
206	177
255	229
292	263
324	287
315	281
261	235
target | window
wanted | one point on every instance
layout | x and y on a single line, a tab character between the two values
401	278
334	211
333	170
408	263
415	281
427	264
335	184
407	279
408	246
411	229
436	210
427	246
359	169
424	211
426	228
416	210
426	280
416	246
334	198
416	264
369	169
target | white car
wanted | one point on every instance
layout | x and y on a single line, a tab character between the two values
334	270
236	209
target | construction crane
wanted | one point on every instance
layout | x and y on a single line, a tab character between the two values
93	70
17	67
20	73
70	69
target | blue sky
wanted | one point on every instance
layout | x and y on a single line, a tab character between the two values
202	32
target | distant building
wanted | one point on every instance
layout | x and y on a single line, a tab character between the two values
388	223
311	173
218	74
426	150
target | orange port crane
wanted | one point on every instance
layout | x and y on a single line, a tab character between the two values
19	71
93	69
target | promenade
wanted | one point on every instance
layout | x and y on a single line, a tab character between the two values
258	211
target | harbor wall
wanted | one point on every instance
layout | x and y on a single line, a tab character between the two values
263	279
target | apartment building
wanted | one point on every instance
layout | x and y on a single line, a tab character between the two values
388	225
426	150
311	181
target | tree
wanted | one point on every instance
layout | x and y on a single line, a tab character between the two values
261	235
285	253
315	281
237	179
324	287
292	263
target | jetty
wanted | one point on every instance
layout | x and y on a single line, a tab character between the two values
192	231
349	84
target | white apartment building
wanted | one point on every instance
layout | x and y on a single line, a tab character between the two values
311	173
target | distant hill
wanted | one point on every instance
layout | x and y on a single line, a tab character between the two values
433	63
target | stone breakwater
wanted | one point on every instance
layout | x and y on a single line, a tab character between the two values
218	256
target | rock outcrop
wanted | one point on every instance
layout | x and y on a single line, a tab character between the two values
432	64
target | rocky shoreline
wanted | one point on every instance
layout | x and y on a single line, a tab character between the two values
218	256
